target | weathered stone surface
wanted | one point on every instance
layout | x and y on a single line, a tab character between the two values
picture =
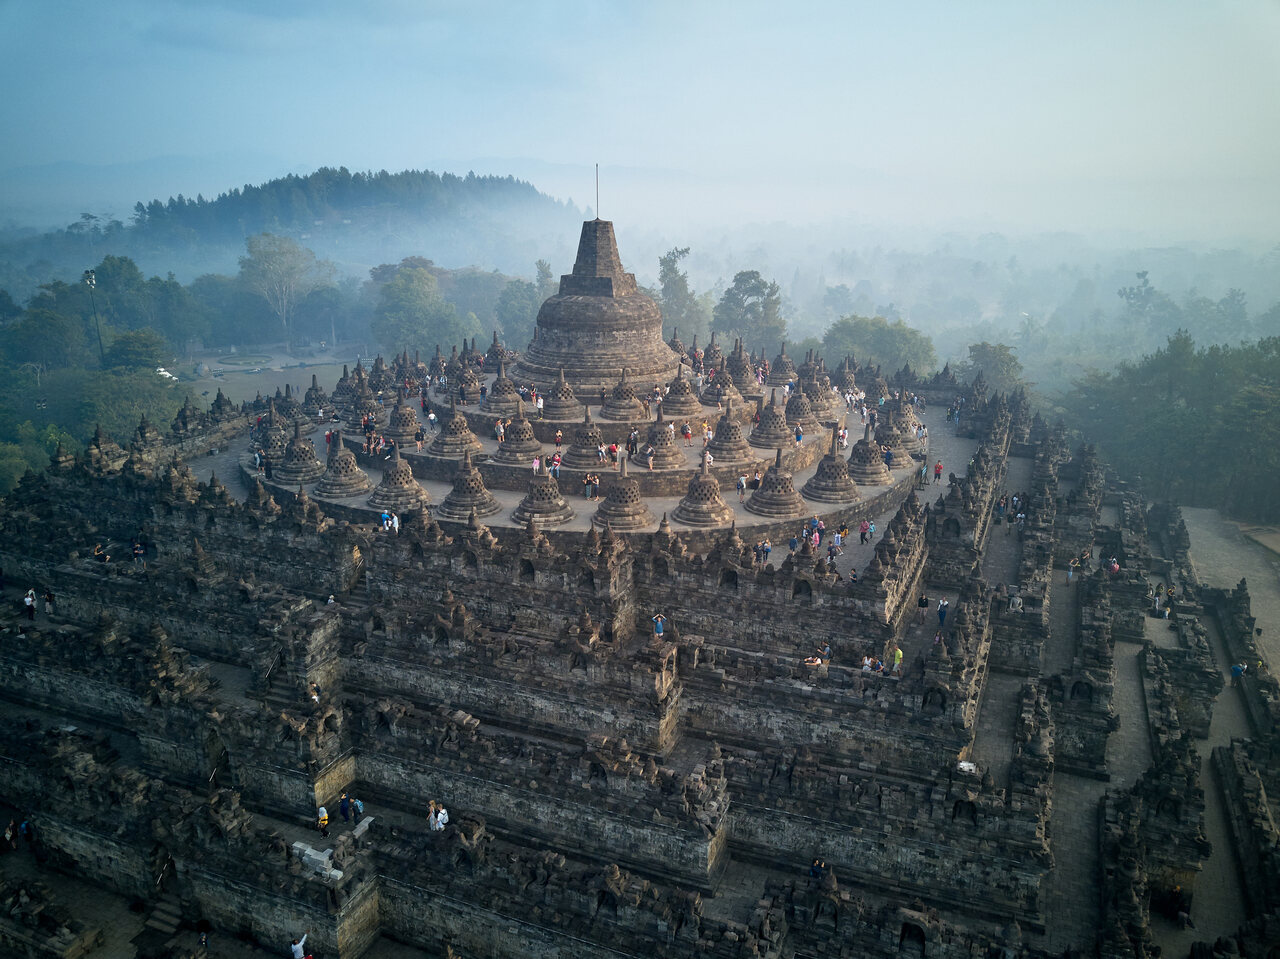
597	324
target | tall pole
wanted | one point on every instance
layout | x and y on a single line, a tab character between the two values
91	281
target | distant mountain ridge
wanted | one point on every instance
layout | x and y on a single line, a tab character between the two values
356	219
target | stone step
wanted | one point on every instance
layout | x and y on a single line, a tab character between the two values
169	909
160	924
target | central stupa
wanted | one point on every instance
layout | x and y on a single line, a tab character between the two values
597	325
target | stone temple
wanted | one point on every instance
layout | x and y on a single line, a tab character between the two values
598	324
1003	754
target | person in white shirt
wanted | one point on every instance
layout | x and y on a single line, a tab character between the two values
437	816
299	946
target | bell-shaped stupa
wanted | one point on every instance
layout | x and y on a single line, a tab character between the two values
543	503
468	494
456	438
300	463
702	504
866	463
830	483
777	496
559	403
598	323
519	445
343	475
623	507
772	432
399	491
680	402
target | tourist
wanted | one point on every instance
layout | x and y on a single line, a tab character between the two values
649	453
101	554
657	625
499	430
559	438
48	602
600	451
299	946
795	543
1237	673
344	806
767	549
863	529
706	455
537	465
922	604
554	469
29	604
315	693
586	486
838	541
897	660
1071	568
799	434
418	437
742	488
395	523
437	816
539	405
433	421
943	605
937	472
322	822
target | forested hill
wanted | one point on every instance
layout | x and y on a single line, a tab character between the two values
356	219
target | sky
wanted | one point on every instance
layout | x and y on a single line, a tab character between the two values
1157	118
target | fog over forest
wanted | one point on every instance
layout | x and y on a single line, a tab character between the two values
1040	194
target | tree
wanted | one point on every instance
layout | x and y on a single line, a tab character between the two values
681	309
282	273
546	281
517	312
9	310
875	341
1000	367
136	350
411	314
751	308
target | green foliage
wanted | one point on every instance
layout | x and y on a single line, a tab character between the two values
517	313
682	309
874	340
137	350
1000	367
752	309
411	314
282	273
9	310
1198	425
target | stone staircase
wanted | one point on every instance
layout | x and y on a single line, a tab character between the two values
160	933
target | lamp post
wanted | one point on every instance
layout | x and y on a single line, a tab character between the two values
91	281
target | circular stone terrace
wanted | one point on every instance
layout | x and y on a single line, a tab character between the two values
796	482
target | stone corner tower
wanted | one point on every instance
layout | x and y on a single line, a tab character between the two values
598	324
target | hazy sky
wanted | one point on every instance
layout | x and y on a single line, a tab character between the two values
1161	116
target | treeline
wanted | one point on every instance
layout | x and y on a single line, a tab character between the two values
353	218
84	353
333	195
1198	425
753	308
